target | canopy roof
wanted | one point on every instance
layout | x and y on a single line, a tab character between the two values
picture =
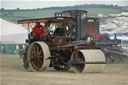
51	19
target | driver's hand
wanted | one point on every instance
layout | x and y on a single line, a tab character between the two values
49	30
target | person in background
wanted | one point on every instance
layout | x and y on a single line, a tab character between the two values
17	49
4	49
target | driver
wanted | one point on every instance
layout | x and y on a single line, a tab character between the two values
38	31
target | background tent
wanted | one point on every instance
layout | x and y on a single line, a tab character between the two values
12	33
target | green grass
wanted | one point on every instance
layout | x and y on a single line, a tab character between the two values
13	16
19	15
105	11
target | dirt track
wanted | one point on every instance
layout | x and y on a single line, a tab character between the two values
12	73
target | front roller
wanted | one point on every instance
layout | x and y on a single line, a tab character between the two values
37	57
90	60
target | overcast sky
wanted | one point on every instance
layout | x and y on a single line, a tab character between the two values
30	4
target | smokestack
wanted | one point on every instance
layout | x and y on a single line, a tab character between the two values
78	26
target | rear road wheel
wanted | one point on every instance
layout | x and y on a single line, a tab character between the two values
38	54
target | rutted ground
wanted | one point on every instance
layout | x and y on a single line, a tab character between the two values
12	73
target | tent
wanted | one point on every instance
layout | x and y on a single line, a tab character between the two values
12	33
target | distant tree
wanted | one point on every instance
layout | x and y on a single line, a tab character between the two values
116	5
111	6
18	9
38	8
2	9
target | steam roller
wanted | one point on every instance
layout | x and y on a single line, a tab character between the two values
91	60
75	42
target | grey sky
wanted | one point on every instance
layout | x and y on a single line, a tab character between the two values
29	4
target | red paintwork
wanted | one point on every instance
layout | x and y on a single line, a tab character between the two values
97	37
126	34
91	28
57	41
77	15
71	11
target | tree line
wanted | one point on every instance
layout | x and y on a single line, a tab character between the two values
69	7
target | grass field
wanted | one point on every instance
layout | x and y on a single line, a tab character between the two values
13	16
13	73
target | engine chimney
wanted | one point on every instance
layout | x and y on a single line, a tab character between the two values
78	26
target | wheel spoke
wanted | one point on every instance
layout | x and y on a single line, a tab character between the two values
40	60
39	53
33	50
38	64
37	48
34	64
